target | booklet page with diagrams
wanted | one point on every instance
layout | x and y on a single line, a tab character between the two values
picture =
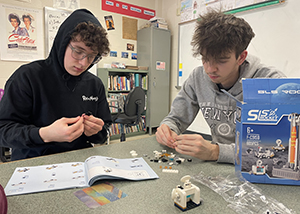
76	174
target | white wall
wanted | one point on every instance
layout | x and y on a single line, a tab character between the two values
276	43
114	36
277	32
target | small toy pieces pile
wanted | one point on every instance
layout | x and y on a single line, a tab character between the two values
169	159
163	156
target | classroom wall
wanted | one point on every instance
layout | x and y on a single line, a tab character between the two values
115	36
171	13
276	43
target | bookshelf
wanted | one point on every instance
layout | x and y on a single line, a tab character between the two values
118	83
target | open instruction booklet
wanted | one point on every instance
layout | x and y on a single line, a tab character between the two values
76	174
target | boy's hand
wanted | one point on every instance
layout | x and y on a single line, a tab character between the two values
165	136
63	130
194	145
92	125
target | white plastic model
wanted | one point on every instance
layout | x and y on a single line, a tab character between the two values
259	169
187	193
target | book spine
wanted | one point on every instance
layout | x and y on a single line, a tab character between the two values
136	79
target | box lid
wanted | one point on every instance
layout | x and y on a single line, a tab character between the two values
267	90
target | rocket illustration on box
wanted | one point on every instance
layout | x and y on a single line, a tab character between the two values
291	169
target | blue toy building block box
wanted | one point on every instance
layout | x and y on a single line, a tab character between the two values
267	131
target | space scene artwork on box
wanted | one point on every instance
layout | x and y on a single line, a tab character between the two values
267	131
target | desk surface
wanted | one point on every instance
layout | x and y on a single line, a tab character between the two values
150	196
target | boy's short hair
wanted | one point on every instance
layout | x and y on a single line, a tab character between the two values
93	36
217	34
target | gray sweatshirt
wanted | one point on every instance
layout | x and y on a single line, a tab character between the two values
200	93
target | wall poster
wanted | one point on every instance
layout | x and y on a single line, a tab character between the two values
53	19
21	34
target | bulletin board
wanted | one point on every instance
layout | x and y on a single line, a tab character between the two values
53	19
129	28
186	61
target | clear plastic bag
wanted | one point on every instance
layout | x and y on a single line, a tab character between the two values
242	196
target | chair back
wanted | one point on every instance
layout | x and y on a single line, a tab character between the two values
135	102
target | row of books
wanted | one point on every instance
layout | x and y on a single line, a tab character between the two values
115	128
159	23
156	22
118	99
128	82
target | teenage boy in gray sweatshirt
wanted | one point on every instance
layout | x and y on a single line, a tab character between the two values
221	40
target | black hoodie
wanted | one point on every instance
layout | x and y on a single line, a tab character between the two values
41	92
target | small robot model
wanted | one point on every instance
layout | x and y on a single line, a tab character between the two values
186	196
259	169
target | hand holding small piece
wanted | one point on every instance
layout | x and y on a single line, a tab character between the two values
63	130
92	125
196	146
165	136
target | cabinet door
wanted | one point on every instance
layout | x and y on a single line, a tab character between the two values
159	76
153	46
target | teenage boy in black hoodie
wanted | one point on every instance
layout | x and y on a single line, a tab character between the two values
43	110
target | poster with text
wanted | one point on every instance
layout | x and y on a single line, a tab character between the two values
21	34
66	4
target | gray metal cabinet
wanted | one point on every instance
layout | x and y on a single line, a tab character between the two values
154	50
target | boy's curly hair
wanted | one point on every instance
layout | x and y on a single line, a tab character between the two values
217	34
93	36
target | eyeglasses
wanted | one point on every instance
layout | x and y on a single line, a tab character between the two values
80	55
